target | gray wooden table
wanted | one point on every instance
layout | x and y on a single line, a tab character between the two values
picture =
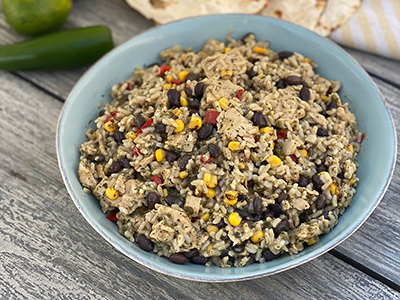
48	250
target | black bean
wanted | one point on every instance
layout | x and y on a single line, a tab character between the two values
224	253
171	155
199	90
125	162
194	104
303	181
239	248
282	196
183	161
252	258
325	214
221	223
320	202
293	80
199	260
259	120
285	54
281	227
242	197
192	187
268	255
302	217
102	112
322	132
115	167
243	214
317	182
152	199
331	105
276	209
257	217
281	84
97	158
173	191
205	131
258	205
139	120
160	127
214	150
189	92
172	199
341	175
191	77
321	168
191	253
174	98
144	243
178	258
251	72
118	136
305	93
267	214
231	260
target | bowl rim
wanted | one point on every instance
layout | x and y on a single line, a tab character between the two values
206	277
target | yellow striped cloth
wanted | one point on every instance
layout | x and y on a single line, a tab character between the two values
375	28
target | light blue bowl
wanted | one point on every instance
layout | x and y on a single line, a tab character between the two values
376	159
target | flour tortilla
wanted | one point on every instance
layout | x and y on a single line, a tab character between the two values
336	13
165	11
305	13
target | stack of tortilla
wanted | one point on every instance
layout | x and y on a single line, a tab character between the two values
321	16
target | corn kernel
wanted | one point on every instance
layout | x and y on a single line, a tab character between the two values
234	219
226	73
241	166
159	155
210	193
169	78
307	60
184	102
112	193
224	103
195	123
131	135
174	86
260	50
176	111
165	192
234	146
180	127
184	95
94	135
267	130
350	148
183	174
226	49
105	170
231	197
303	153
210	180
205	217
272	145
182	75
324	98
272	112
352	181
167	86
312	241
184	57
212	228
260	75
209	248
111	125
333	187
274	161
257	236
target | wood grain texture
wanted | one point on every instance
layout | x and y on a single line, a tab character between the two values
126	23
49	251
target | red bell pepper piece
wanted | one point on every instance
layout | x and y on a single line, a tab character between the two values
239	93
157	179
294	158
362	137
136	150
211	116
207	161
112	216
176	81
147	124
164	69
281	134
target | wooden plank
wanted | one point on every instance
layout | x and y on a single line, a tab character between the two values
49	251
376	244
125	23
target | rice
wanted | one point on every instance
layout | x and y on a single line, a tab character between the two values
228	156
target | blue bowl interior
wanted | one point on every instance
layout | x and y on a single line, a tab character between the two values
376	158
